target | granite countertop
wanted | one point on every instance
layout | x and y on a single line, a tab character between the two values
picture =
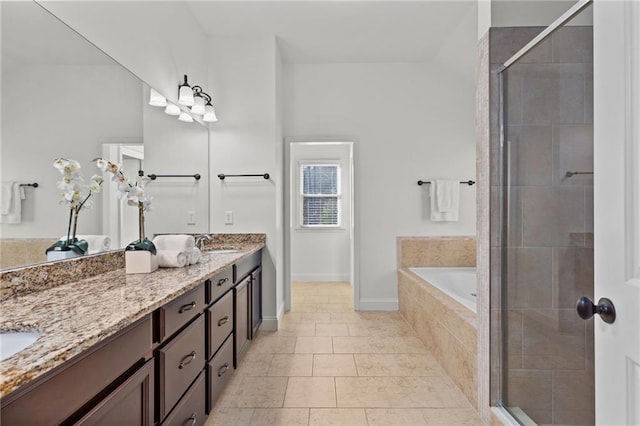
74	316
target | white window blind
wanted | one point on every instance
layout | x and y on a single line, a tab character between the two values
320	193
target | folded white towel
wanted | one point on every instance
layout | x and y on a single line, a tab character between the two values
171	258
95	243
445	200
194	256
7	197
179	242
14	212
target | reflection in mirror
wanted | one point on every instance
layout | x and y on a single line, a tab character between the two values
63	97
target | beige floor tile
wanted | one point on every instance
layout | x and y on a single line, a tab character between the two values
316	316
381	329
280	417
395	417
304	307
390	345
451	416
398	365
310	392
398	392
313	345
229	417
255	392
334	365
334	307
273	343
345	317
316	299
341	298
291	365
331	329
297	329
337	417
254	364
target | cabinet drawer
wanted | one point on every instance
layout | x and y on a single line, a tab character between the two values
59	394
220	322
220	371
130	404
248	264
180	361
177	313
219	284
191	408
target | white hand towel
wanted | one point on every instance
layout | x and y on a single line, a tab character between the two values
445	200
194	256
180	242
14	214
171	258
7	197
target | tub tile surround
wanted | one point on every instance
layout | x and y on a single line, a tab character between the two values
447	328
71	312
550	248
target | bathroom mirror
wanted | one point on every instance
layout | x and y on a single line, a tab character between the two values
64	97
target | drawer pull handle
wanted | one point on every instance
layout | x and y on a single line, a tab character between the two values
223	321
223	369
187	360
193	418
222	281
187	307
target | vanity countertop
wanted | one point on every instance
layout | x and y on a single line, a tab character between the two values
75	316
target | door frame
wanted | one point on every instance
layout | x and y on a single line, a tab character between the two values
290	214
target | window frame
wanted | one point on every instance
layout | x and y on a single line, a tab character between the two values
302	196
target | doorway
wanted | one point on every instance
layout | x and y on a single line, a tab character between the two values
320	236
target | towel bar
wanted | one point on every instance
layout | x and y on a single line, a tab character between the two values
33	185
153	176
222	176
464	182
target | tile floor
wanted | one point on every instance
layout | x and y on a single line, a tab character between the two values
329	365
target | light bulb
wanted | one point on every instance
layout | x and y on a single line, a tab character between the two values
185	93
156	99
198	106
172	109
185	117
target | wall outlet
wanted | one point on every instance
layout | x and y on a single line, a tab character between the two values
191	217
228	217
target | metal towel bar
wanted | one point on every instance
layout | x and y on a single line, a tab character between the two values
464	182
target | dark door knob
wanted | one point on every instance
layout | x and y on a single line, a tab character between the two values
586	309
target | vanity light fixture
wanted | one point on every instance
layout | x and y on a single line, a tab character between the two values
185	117
156	99
209	113
185	93
172	109
198	105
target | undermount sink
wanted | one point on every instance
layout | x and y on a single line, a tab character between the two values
12	342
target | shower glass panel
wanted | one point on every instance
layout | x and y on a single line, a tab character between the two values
547	367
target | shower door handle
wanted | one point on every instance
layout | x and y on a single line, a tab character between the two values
586	309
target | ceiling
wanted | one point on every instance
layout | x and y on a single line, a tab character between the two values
339	31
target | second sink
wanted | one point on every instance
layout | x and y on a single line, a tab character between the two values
12	342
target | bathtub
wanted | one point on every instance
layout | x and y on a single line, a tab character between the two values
457	283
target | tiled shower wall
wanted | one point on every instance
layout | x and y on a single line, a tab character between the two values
547	364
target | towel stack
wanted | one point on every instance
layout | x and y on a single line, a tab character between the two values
176	251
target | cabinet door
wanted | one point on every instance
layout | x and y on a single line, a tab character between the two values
190	411
242	325
130	404
256	300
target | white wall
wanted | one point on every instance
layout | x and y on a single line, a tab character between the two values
43	120
157	41
409	121
246	140
321	254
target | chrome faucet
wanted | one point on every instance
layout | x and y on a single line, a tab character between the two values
200	239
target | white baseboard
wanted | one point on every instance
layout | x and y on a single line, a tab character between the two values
319	277
271	323
378	305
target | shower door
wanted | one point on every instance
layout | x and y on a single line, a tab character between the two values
547	371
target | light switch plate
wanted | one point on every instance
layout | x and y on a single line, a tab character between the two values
191	217
228	217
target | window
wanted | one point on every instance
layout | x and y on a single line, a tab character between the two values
320	195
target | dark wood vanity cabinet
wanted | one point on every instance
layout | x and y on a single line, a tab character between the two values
242	299
256	300
111	374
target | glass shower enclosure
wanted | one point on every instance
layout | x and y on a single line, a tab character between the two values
543	351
